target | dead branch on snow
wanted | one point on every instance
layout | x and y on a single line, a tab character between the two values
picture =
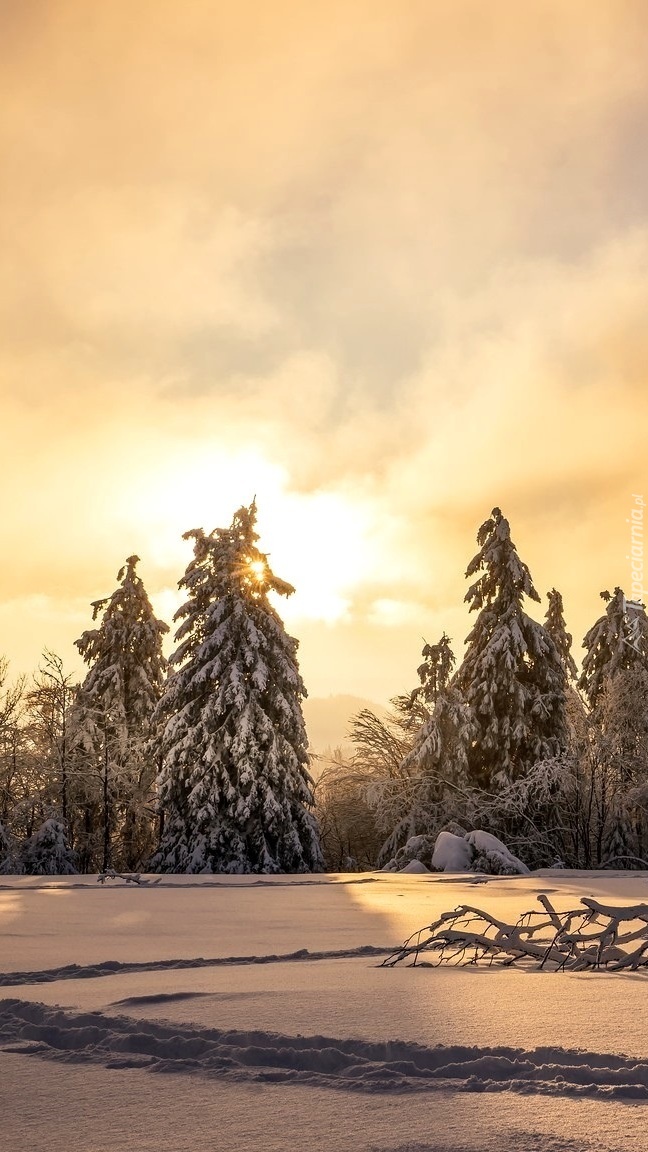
593	937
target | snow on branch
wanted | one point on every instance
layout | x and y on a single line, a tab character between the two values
593	937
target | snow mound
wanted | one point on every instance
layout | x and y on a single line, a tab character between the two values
476	851
454	850
452	853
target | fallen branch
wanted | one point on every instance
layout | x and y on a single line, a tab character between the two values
129	877
592	937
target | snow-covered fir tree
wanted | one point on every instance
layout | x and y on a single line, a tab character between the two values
512	677
617	641
434	672
557	629
234	787
47	853
440	746
111	723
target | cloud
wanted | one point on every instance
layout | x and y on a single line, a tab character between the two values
386	266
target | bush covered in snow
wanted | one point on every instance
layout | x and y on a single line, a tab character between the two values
491	855
454	850
417	849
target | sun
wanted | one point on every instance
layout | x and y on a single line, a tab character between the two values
257	569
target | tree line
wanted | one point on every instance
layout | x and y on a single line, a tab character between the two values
514	740
200	763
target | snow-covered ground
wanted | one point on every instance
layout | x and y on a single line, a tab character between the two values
208	1013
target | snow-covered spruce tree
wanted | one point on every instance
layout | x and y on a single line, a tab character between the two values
617	641
557	629
111	725
234	787
511	678
440	746
434	672
46	853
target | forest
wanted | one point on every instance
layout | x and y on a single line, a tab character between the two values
200	763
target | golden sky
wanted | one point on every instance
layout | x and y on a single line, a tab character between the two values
382	263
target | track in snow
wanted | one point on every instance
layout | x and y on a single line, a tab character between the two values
118	967
393	1066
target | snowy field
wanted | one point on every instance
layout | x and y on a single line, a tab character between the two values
209	1013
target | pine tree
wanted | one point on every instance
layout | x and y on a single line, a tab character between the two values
617	641
511	678
234	787
557	629
111	719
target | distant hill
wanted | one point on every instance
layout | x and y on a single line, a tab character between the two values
327	719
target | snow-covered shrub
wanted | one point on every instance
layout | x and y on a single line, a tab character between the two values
417	849
454	850
492	856
46	853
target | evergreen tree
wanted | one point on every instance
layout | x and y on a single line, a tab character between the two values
557	629
234	787
112	721
440	747
46	853
434	673
617	641
511	678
